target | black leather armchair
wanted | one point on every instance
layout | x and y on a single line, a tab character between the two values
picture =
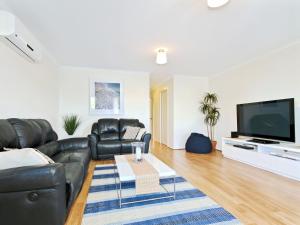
38	195
106	138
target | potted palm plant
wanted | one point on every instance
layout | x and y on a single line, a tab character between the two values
71	123
211	115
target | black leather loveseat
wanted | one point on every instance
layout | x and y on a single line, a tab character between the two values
106	139
41	195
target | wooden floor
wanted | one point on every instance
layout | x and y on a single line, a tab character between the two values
254	196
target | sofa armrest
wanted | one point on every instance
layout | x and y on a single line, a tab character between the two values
93	140
32	177
33	195
73	144
147	138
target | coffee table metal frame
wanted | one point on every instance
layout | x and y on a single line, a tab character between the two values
119	189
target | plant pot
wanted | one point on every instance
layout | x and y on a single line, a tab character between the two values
213	145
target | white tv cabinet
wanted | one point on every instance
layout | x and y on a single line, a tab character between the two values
283	159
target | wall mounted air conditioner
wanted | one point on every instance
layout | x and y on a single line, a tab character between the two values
9	33
24	47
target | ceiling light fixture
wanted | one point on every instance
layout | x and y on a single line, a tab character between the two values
161	56
216	3
7	23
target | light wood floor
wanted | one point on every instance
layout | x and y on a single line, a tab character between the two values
254	196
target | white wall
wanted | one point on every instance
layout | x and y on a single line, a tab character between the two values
188	92
74	85
184	95
274	76
28	90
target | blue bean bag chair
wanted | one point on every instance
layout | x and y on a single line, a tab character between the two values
198	143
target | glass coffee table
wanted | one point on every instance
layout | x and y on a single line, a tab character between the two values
126	175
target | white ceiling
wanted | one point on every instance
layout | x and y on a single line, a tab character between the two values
123	34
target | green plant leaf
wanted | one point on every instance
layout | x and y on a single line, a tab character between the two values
204	107
211	98
71	123
210	111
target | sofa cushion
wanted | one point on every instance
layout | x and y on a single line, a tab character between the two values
126	147
49	149
131	133
81	156
48	133
73	143
108	147
141	133
8	135
108	129
28	132
74	179
124	123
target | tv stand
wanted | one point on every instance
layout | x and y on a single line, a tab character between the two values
262	141
282	158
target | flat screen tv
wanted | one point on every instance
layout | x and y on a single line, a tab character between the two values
270	119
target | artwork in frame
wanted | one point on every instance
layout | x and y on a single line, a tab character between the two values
106	98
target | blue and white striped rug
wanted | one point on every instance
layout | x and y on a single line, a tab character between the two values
190	207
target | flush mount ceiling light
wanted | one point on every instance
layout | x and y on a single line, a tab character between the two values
216	3
7	23
161	56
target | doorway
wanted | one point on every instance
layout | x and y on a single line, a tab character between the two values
164	117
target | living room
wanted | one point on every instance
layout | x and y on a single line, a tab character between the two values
111	70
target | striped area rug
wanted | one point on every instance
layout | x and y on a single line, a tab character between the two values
190	207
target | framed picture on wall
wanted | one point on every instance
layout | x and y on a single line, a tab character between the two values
106	98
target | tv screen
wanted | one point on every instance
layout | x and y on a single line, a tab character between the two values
270	119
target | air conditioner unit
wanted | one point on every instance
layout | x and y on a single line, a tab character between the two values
27	49
8	31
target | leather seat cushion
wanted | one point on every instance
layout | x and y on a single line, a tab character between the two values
82	156
49	149
114	136
74	179
48	133
108	129
8	135
29	133
108	147
126	146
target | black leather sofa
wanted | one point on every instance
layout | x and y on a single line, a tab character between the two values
41	195
106	139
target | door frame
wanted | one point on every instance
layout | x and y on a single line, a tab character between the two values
164	91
